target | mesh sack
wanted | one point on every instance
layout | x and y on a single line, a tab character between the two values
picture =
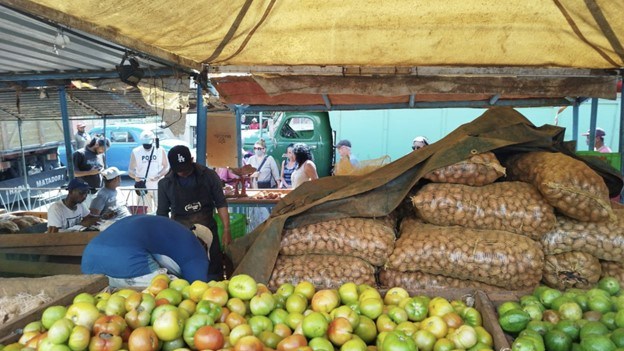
493	257
478	170
613	269
567	184
411	281
571	270
324	271
604	240
512	206
369	239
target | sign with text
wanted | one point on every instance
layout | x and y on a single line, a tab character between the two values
221	144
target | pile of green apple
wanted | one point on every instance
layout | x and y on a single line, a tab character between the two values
242	315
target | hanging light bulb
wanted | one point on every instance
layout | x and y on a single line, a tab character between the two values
60	41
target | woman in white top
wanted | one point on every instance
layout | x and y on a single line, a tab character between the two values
306	169
267	173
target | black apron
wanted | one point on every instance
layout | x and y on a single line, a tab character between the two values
192	205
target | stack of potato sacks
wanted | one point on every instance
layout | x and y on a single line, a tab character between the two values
471	232
334	252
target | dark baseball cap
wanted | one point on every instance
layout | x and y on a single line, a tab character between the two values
343	142
77	184
180	158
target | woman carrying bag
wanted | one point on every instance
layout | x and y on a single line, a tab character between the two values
267	172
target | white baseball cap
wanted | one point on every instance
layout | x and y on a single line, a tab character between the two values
112	173
146	137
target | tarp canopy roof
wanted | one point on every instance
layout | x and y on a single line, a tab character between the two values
348	42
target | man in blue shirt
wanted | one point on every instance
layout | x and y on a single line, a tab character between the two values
135	249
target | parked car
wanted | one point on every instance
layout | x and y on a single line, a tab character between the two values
124	138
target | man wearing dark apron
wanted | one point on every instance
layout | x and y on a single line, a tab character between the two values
191	192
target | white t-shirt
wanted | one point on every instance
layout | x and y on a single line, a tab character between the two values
64	218
299	176
142	156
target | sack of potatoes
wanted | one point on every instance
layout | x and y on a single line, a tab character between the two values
604	240
369	239
571	270
413	281
568	184
324	271
516	207
494	257
478	170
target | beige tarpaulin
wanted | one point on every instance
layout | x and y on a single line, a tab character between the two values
400	33
502	130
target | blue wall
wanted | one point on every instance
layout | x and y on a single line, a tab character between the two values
375	133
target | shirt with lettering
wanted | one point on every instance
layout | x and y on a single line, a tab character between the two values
62	217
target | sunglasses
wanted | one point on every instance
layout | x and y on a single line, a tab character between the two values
258	148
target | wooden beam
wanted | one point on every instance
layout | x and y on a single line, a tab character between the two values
38	268
45	239
68	250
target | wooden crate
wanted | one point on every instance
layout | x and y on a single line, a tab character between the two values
43	254
43	215
481	302
61	288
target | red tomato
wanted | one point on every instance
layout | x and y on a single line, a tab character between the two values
143	339
208	338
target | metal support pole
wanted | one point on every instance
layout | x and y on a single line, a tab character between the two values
575	122
105	149
592	124
66	132
621	143
239	137
202	126
24	169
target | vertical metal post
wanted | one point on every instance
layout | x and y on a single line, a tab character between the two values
25	170
66	132
105	149
202	126
592	124
575	122
621	143
239	137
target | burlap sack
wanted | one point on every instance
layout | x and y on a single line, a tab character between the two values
324	271
604	240
567	184
571	270
412	281
369	239
516	207
493	257
478	170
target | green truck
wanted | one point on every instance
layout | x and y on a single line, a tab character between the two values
284	128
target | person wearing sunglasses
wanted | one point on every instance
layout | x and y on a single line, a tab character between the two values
71	213
419	142
267	173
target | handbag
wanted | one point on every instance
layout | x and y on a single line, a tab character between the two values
265	184
141	184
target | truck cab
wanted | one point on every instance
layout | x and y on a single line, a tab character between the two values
285	128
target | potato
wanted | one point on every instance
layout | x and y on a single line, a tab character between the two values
369	239
512	206
418	280
571	270
493	257
478	170
604	240
324	271
566	183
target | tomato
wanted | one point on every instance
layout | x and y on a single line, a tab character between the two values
234	319
143	339
385	323
408	328
395	295
192	325
84	297
371	307
262	305
464	337
452	320
294	319
397	314
472	317
416	309
169	325
243	287
113	325
348	293
314	324
439	306
216	295
173	344
52	314
424	340
259	324
348	313
270	339
157	285
340	331
305	289
79	338
285	290
292	342
443	345
239	332
397	341
179	284
197	289
354	344
483	336
59	331
237	305
366	330
321	344
296	303
105	343
325	300
282	330
172	296
435	325
208	337
83	313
